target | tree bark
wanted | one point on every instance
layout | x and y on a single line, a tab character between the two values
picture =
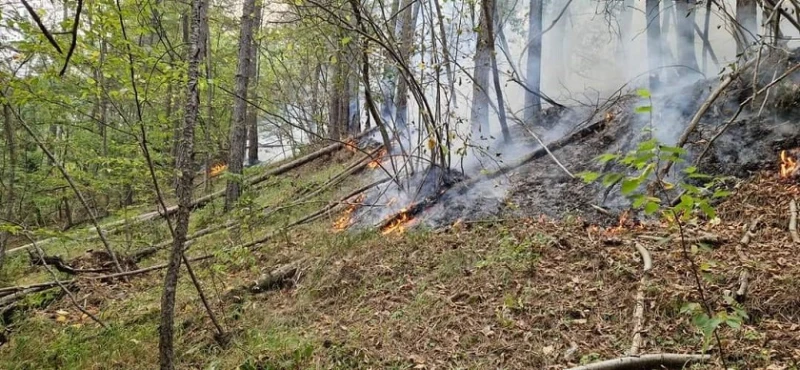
252	114
184	189
653	42
237	131
479	112
685	15
533	70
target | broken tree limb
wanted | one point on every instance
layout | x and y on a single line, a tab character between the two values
275	279
60	265
793	221
654	361
702	111
703	238
749	233
638	310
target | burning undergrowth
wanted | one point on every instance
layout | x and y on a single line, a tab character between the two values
520	179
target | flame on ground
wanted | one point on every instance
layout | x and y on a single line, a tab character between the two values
217	169
345	220
788	165
398	224
351	145
377	161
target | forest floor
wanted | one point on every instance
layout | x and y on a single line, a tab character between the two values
514	293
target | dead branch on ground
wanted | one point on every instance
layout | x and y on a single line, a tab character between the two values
793	222
749	233
654	361
638	311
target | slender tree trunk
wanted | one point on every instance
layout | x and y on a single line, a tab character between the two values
409	23
685	15
533	70
335	106
479	112
706	42
183	190
654	43
490	11
237	133
388	81
746	12
208	123
9	197
447	60
252	114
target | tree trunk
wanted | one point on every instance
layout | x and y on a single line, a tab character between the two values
184	189
334	108
8	198
479	113
533	70
208	123
407	26
490	12
237	133
685	15
252	114
653	42
747	29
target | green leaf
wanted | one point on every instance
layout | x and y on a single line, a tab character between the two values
721	194
644	109
589	177
707	209
643	93
690	170
733	323
346	40
629	185
605	158
651	207
611	179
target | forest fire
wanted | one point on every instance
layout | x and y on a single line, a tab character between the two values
398	223
377	161
345	220
217	169
788	165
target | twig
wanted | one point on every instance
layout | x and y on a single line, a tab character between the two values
638	310
42	26
654	361
793	222
749	233
74	37
702	111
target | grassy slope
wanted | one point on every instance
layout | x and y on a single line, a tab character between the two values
519	294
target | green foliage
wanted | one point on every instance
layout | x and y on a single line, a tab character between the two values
709	324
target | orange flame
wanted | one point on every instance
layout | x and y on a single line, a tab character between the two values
217	169
351	145
377	162
398	225
346	220
788	165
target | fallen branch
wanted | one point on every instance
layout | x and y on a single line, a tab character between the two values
638	310
793	222
275	279
703	238
702	111
654	361
60	265
749	233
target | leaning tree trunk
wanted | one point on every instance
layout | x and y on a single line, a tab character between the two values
237	134
747	26
653	42
479	113
252	114
183	190
533	70
685	16
335	117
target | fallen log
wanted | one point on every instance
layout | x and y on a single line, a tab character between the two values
646	362
749	233
703	238
202	201
60	265
275	279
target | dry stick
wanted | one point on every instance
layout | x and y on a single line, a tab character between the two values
638	311
654	361
702	111
77	192
52	284
74	42
793	222
749	233
704	238
41	26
